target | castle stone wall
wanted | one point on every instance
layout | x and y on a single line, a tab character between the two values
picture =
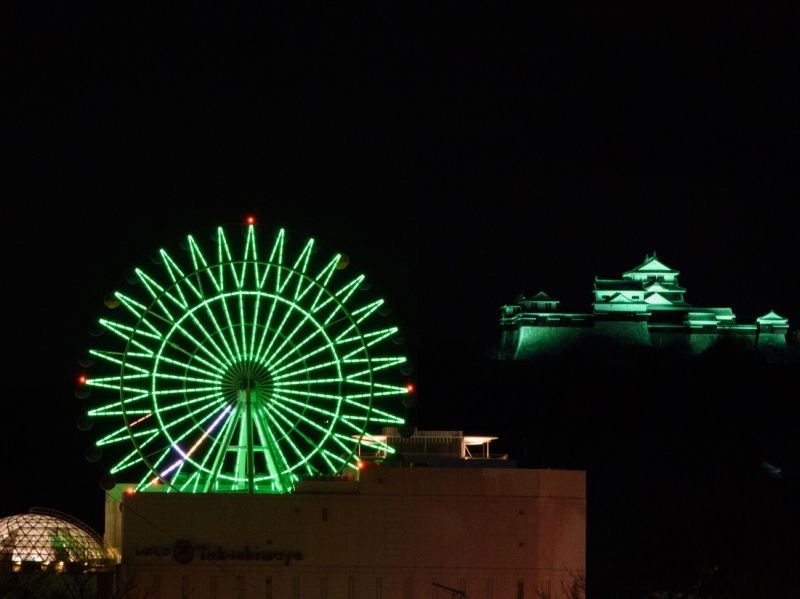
625	332
771	340
537	341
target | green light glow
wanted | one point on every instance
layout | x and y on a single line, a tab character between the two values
232	373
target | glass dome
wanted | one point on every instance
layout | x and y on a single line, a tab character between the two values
48	536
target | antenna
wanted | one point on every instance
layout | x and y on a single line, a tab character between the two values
453	592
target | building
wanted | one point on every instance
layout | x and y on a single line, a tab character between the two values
384	532
645	307
243	407
46	553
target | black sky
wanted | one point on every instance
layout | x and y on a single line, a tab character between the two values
460	155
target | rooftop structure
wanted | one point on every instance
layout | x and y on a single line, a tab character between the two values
451	449
49	540
645	307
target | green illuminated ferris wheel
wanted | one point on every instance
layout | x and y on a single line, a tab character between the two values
237	365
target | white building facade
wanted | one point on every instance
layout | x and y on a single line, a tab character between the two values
396	533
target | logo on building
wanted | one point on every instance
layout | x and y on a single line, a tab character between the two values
183	552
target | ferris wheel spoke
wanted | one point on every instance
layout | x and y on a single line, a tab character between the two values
253	327
373	337
193	478
392	389
171	446
371	413
109	409
291	348
305	357
307	394
365	312
183	404
333	300
115	387
137	309
126	332
339	459
112	358
325	453
221	357
179	277
166	426
226	434
307	381
277	466
250	257
294	402
178	465
277	333
209	370
377	337
136	456
113	382
275	259
188	379
243	327
172	268
304	459
166	393
321	281
379	364
326	345
200	266
120	435
276	376
279	245
314	446
265	330
114	410
390	393
326	431
227	353
224	259
361	315
157	292
298	270
230	328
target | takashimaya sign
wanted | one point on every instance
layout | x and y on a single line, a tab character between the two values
184	552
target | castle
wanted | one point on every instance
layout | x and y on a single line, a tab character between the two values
645	307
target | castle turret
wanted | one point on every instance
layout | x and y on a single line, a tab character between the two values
772	330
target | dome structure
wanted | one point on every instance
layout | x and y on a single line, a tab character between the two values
50	537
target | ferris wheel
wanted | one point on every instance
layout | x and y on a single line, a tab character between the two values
237	365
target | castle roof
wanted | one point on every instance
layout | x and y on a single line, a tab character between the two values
663	286
618	298
654	265
618	284
772	318
542	297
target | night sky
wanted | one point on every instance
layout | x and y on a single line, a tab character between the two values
460	156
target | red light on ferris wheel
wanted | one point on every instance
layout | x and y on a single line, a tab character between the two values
82	380
410	388
251	220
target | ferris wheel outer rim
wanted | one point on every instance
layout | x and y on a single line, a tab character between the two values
290	270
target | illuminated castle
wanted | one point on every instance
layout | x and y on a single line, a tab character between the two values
645	307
